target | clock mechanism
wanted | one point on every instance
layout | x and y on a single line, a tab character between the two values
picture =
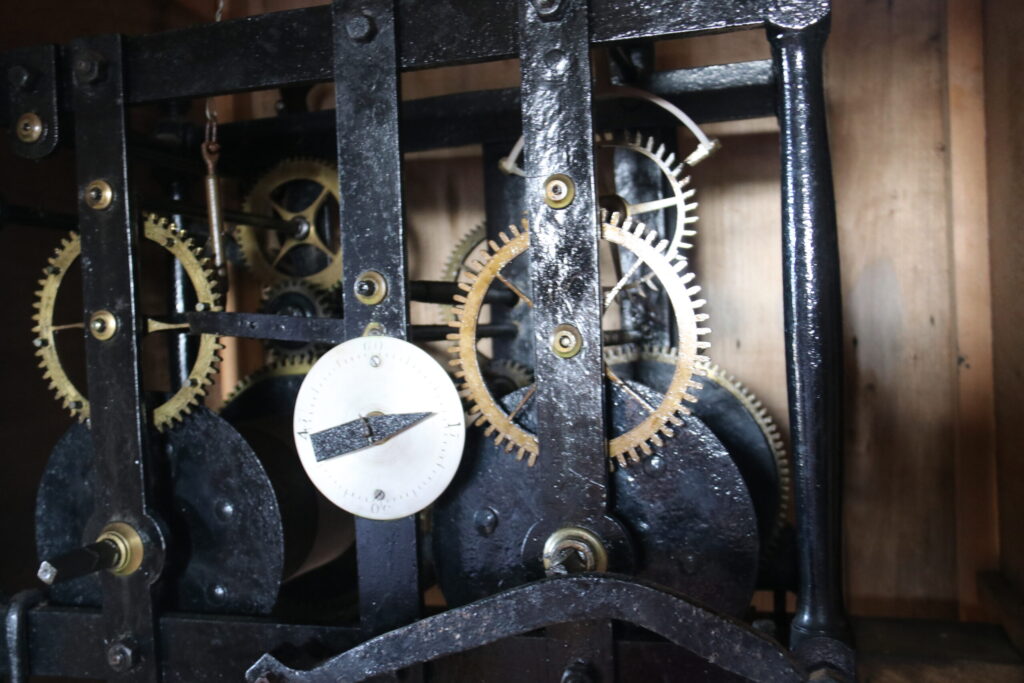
551	479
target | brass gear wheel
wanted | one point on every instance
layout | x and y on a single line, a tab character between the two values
175	241
673	171
294	190
460	254
300	299
626	447
757	411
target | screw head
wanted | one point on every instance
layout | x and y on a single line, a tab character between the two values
559	191
378	495
360	28
120	657
29	127
98	195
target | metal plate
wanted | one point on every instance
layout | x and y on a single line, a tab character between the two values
686	510
226	540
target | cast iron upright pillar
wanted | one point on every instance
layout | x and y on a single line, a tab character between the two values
813	320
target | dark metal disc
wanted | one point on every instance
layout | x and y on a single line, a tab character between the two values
738	430
226	551
685	509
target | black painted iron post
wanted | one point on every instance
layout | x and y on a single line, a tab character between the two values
113	334
373	242
561	206
813	319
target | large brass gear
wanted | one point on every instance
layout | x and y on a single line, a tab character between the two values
650	251
175	241
264	252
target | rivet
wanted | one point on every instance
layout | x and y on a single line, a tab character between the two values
485	521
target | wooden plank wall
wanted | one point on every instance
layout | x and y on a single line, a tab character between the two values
1004	63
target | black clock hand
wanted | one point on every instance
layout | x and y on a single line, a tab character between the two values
360	433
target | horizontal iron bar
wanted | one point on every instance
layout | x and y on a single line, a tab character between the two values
164	206
267	326
294	47
441	292
314	330
69	642
441	332
710	93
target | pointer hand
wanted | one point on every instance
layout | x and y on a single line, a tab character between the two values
361	433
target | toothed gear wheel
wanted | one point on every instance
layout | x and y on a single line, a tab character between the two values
457	260
674	173
505	375
667	267
740	420
300	299
304	191
173	240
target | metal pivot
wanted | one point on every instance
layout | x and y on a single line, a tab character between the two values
369	173
110	284
813	322
561	205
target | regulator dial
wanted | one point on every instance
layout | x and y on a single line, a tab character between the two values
379	427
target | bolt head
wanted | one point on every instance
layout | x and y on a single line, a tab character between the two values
20	77
120	657
360	28
88	68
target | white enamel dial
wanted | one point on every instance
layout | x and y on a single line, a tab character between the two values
379	427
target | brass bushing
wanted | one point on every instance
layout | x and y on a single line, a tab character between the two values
129	547
98	195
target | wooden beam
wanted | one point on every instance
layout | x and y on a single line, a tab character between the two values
977	521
